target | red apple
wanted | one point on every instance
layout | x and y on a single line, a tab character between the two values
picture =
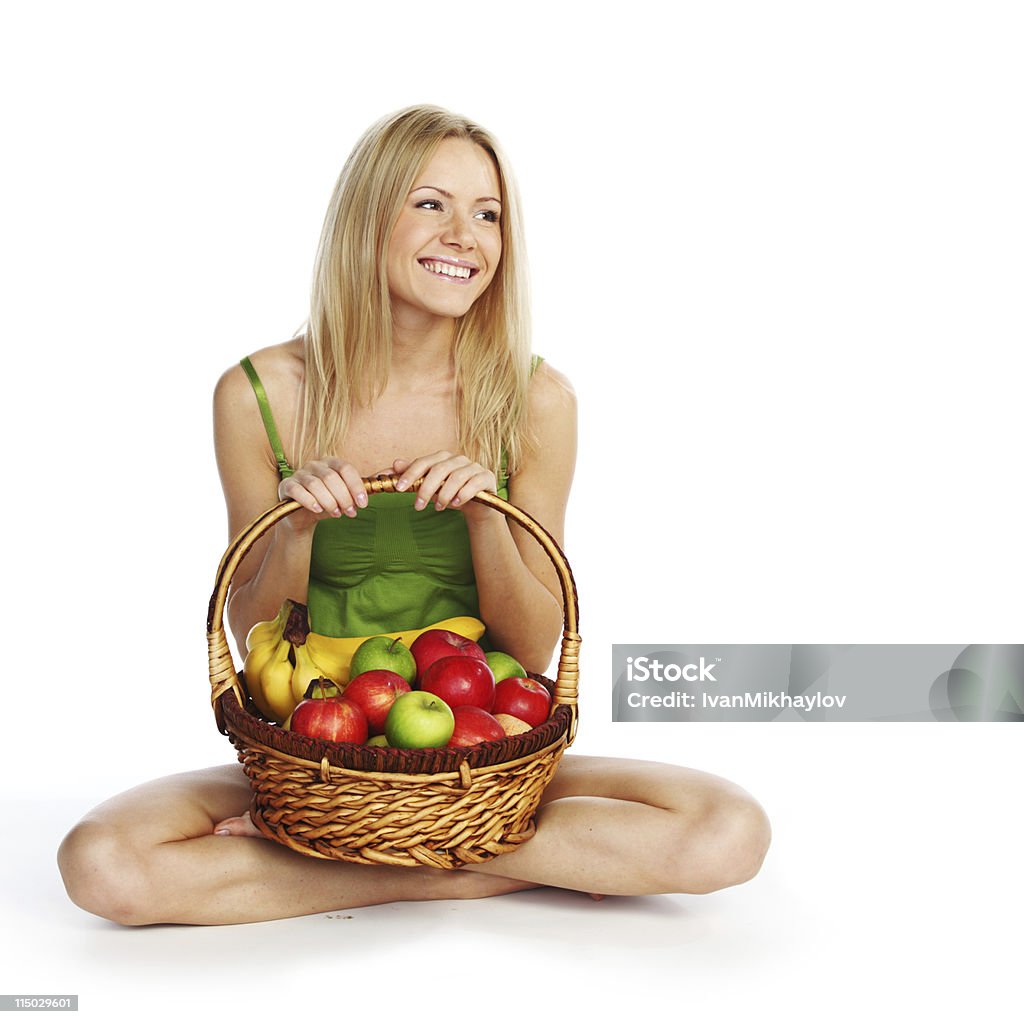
375	691
474	725
433	644
459	680
336	719
522	698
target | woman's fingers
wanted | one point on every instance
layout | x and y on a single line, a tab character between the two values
416	468
333	487
326	487
447	479
351	478
463	484
312	493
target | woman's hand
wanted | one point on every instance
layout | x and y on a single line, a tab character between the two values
449	481
325	488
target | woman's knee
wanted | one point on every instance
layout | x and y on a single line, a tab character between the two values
103	873
733	839
720	840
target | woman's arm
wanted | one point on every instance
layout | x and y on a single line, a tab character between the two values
525	607
277	566
519	593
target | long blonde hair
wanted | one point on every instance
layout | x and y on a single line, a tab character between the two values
348	338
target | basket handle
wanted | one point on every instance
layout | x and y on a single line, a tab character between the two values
224	677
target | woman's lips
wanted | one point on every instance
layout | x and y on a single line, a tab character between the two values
449	271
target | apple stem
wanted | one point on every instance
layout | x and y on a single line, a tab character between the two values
313	684
391	646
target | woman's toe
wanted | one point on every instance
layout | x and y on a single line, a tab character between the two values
240	826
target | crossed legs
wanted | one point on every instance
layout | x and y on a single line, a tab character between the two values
605	825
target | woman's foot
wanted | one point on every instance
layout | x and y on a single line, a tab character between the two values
240	826
243	826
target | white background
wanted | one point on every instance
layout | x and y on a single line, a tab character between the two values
776	248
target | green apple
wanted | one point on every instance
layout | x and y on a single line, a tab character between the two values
383	652
504	666
418	719
377	741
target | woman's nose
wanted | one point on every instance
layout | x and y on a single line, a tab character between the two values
459	231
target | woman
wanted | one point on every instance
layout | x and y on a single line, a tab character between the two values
415	361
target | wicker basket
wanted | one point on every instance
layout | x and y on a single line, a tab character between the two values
443	807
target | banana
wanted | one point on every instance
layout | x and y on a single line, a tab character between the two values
465	625
271	630
276	684
255	662
332	659
334	654
260	645
305	671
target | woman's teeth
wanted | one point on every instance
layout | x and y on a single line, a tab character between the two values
447	269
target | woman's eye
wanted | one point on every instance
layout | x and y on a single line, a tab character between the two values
428	204
488	215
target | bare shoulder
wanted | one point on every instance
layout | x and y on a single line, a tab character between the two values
280	369
239	433
236	411
551	429
542	482
551	396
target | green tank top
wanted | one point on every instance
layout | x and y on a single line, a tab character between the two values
389	568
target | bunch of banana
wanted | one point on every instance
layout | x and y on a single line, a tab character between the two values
279	666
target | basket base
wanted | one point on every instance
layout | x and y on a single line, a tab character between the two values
416	856
399	820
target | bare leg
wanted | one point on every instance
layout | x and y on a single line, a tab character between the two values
605	826
622	827
625	827
149	855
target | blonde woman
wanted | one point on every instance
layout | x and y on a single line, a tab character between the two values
415	361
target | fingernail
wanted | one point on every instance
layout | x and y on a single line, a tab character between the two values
456	501
317	508
336	513
350	512
420	504
361	499
401	485
438	507
222	832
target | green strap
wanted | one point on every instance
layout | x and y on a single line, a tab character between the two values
283	469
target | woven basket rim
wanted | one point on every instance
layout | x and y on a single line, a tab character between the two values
338	773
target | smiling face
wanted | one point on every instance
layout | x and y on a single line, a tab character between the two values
446	244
